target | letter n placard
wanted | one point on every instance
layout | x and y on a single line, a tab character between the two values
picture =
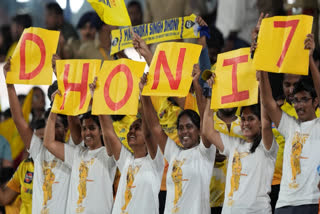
235	81
31	60
171	68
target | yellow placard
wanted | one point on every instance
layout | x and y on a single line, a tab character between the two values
112	12
235	81
171	68
31	60
165	30
74	77
281	44
117	89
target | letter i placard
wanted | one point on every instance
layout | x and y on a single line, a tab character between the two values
235	82
74	77
31	60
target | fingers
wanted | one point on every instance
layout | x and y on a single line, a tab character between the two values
211	80
196	70
55	93
200	21
309	42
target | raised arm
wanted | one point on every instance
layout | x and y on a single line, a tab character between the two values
267	100
7	196
201	100
309	44
16	111
55	147
267	134
110	138
151	140
141	46
75	129
208	131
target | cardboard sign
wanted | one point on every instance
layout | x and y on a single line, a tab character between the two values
31	61
281	45
112	12
117	90
235	81
74	77
171	68
161	31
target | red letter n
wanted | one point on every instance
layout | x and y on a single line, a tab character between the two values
162	60
236	95
37	40
79	87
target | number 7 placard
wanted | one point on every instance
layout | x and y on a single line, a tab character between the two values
281	44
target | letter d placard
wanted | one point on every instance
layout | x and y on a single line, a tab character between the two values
31	60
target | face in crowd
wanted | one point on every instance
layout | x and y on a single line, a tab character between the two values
250	124
91	133
88	32
60	129
189	129
135	135
289	81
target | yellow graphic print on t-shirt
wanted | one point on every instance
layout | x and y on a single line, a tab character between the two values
177	175
82	187
297	145
128	194
236	173
49	178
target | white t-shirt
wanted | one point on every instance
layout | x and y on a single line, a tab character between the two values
91	180
139	184
300	160
191	171
51	180
249	176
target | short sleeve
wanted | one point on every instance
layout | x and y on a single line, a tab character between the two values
208	153
14	183
5	151
35	146
286	124
125	154
228	143
171	149
69	154
158	162
273	151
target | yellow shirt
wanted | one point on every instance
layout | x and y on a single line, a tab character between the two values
22	182
218	180
290	110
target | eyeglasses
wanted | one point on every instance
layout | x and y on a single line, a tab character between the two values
303	100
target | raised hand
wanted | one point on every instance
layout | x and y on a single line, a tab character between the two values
141	46
55	57
309	43
196	72
255	32
143	81
93	86
7	67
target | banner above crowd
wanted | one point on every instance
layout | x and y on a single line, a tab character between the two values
166	30
31	60
235	81
171	68
117	90
112	12
281	44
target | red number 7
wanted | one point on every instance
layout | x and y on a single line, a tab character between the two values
283	24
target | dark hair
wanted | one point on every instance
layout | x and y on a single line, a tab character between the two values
63	118
305	84
216	39
88	115
24	20
256	110
194	117
52	88
117	117
54	7
92	18
135	3
7	39
38	124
